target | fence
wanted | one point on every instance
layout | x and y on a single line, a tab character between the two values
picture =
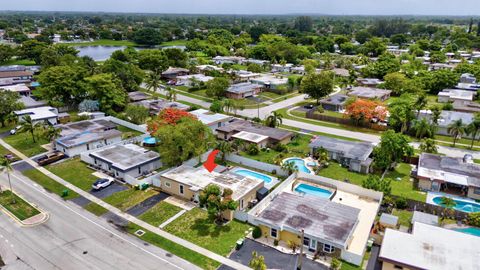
139	128
274	169
344	121
437	210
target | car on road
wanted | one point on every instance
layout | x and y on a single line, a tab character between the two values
102	183
15	130
309	106
50	158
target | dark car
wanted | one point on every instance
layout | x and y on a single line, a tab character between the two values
309	106
102	183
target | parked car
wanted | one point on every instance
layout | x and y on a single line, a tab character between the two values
50	158
102	183
15	130
309	106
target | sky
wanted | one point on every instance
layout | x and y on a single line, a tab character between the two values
332	7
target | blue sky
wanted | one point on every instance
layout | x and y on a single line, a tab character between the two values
338	7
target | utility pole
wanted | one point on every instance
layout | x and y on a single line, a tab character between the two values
299	266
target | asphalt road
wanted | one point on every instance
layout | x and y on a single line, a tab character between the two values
74	239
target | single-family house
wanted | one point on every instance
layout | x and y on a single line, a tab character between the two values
279	68
46	114
334	103
22	89
243	90
369	82
245	76
466	106
124	161
255	61
260	141
10	77
369	93
206	68
451	95
235	126
138	96
448	174
429	247
172	73
192	80
270	81
78	137
187	182
468	78
325	216
32	102
440	66
447	118
220	60
157	105
342	72
354	155
212	120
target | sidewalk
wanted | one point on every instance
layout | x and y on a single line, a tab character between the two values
126	216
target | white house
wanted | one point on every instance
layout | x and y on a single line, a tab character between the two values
191	80
450	95
44	114
212	120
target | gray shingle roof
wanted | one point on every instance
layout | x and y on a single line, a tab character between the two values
354	150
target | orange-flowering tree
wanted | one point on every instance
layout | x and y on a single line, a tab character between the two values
365	110
170	116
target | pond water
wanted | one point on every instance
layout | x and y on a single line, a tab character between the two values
98	53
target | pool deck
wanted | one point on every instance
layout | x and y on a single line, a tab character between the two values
433	194
306	161
266	185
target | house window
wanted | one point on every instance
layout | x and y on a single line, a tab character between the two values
95	161
397	267
167	184
220	124
476	191
181	189
306	241
88	147
328	248
241	204
139	170
273	232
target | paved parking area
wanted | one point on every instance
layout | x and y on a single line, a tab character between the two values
274	259
113	188
373	262
143	207
81	201
22	166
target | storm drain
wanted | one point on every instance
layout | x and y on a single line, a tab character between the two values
140	233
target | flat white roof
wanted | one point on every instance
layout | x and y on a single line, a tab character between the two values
250	137
431	247
207	118
40	113
16	88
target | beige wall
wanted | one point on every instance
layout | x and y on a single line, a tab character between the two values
424	184
473	195
174	189
390	266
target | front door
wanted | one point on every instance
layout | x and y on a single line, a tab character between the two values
313	244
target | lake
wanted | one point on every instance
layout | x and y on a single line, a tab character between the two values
98	53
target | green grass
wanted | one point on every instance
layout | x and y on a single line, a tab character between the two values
95	209
160	213
196	227
157	95
180	42
174	248
23	142
126	199
49	184
404	217
295	129
23	62
104	42
75	172
348	266
403	187
128	132
21	209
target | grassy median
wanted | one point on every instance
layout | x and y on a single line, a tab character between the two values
21	209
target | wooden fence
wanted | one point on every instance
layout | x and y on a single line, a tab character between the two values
311	114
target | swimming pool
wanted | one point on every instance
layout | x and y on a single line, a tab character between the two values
299	164
313	190
471	230
464	206
248	173
150	141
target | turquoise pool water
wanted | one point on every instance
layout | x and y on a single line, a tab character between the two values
313	190
471	230
461	205
299	164
150	140
261	176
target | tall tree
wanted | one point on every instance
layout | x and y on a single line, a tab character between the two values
391	149
107	90
428	146
217	202
274	119
257	262
474	128
456	129
6	167
317	86
137	113
217	87
27	125
9	102
153	81
62	85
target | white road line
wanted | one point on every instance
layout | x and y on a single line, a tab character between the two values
101	226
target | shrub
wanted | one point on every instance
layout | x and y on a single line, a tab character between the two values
275	242
474	219
281	148
387	200
335	264
253	150
256	233
401	203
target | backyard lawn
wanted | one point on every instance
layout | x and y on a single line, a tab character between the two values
49	184
400	179
126	199
75	172
174	248
160	213
404	217
21	209
128	132
23	142
196	227
95	209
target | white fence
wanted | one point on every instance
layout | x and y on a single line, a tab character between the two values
118	121
274	169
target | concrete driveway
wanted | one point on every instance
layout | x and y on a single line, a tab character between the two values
143	207
274	259
113	188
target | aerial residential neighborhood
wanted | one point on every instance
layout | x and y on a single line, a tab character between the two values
340	135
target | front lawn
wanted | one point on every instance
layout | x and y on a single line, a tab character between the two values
174	248
23	142
196	227
400	179
95	209
75	172
49	184
21	209
160	213
126	199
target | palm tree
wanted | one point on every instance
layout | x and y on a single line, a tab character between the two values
274	119
28	125
171	94
225	148
448	203
428	146
228	105
51	133
153	81
321	155
420	103
257	262
423	128
474	128
289	167
238	144
5	166
456	129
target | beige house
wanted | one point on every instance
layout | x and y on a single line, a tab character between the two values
187	182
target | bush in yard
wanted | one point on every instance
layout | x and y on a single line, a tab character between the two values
275	242
253	150
474	219
401	203
281	148
335	264
256	233
376	183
